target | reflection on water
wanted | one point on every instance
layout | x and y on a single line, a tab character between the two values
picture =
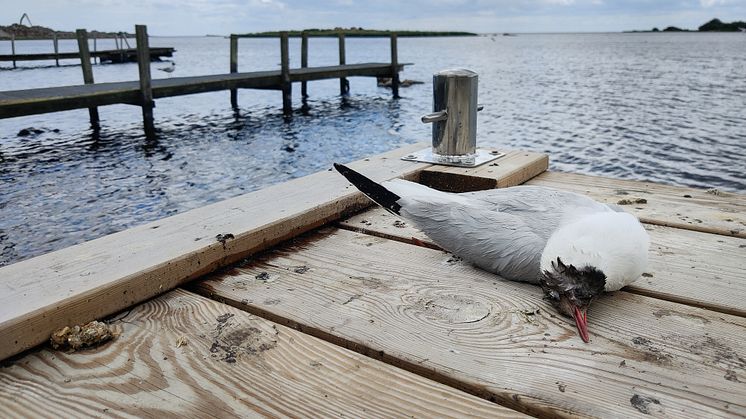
661	107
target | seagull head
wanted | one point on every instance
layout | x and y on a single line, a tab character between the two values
571	290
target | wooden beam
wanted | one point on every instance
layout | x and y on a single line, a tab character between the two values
714	211
56	50
97	278
277	371
303	61
287	86
512	169
146	92
426	312
13	47
234	69
85	63
394	67
344	84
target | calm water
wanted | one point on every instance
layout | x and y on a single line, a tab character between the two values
662	107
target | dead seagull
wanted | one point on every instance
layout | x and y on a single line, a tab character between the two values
574	247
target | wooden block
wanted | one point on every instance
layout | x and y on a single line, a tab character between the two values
515	168
100	277
422	310
692	209
182	355
699	269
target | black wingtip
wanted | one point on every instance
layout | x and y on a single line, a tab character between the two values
372	190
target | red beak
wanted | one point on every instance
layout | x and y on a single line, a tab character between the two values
581	321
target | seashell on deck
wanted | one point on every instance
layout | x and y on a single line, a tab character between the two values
299	300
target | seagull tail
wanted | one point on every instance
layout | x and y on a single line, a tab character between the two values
374	191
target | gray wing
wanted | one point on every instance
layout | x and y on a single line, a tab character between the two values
543	209
494	241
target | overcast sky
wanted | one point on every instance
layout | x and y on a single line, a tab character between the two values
200	17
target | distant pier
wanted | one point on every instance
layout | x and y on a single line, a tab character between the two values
142	92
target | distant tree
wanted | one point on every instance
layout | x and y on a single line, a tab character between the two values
673	29
656	30
718	25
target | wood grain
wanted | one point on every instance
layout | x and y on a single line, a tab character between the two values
233	365
674	206
91	280
422	310
699	269
515	168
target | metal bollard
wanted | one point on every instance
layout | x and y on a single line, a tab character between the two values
454	120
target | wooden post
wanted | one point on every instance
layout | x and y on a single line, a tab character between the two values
394	67
56	50
95	48
85	62
303	60
234	69
287	87
146	92
344	85
13	48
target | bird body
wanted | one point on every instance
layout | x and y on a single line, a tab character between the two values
573	246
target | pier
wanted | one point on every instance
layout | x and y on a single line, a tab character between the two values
142	92
302	300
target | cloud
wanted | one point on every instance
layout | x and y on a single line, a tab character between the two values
710	3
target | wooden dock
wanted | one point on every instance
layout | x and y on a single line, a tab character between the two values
113	55
304	306
142	92
53	99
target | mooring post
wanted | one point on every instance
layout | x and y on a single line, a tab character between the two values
234	69
13	48
56	49
287	87
303	60
394	67
344	85
95	48
146	91
85	62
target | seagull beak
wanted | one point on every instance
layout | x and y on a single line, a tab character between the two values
581	321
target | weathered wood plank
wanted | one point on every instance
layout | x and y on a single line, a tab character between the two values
693	209
699	269
52	99
420	309
233	364
131	54
513	169
100	277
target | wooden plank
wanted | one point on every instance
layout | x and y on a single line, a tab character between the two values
689	267
233	364
689	208
100	277
52	99
419	309
130	54
514	168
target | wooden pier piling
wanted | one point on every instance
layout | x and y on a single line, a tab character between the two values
85	63
13	48
344	85
234	69
394	66
303	61
56	50
287	86
146	91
